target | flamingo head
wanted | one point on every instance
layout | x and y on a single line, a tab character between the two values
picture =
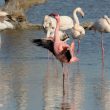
79	10
55	15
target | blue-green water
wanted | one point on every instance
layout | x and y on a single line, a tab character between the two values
29	81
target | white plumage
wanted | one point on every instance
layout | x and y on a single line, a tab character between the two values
4	23
102	25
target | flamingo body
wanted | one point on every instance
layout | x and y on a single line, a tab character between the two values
66	22
49	44
102	25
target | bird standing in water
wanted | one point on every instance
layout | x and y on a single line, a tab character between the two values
60	49
102	25
78	31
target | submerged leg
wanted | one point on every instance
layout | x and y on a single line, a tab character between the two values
63	78
102	47
0	41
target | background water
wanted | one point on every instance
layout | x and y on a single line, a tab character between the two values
29	81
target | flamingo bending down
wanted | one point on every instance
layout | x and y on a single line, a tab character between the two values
78	31
62	51
102	25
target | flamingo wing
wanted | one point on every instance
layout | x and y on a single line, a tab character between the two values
45	43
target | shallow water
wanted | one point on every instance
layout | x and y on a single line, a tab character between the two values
29	81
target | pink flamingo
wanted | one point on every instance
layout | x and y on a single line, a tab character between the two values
62	51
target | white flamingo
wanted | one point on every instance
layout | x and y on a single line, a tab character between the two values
4	22
78	31
66	22
102	25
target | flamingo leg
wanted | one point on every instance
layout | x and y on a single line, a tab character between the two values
63	77
48	55
0	41
102	47
72	51
78	46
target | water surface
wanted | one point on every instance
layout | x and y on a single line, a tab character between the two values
29	81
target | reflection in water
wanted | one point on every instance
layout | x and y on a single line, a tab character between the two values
70	99
52	88
104	94
13	74
18	86
4	91
12	86
77	90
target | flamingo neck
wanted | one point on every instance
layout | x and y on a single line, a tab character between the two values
75	17
56	35
108	20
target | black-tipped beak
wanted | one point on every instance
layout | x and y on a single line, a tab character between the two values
82	16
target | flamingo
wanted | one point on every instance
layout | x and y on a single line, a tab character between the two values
62	51
50	35
102	25
78	31
66	22
5	22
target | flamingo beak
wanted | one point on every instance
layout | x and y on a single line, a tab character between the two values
83	15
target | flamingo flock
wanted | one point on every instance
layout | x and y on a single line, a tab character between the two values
55	41
56	37
55	26
66	23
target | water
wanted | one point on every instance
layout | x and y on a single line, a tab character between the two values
28	81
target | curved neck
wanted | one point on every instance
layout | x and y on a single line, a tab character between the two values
75	17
